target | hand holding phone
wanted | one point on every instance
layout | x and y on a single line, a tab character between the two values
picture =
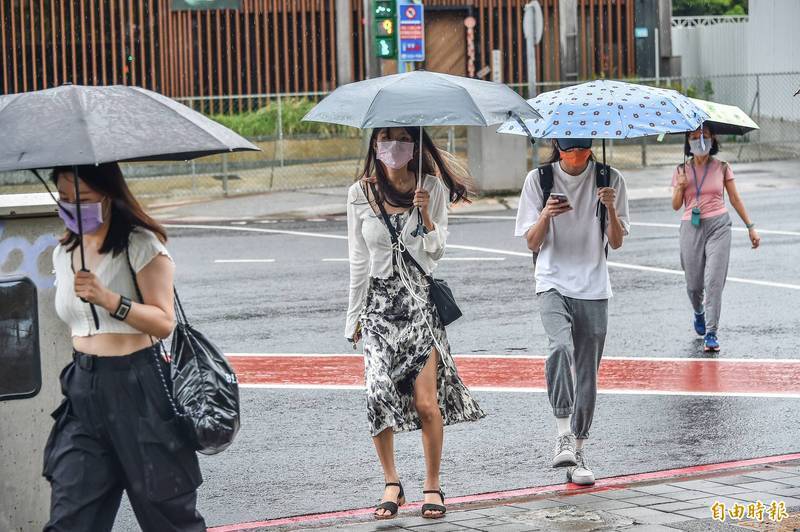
557	204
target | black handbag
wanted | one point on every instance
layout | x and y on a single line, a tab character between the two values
203	389
442	296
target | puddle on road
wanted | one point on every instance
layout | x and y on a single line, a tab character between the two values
572	519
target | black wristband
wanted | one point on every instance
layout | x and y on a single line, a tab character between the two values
122	310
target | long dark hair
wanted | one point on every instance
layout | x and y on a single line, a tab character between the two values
433	159
555	155
126	212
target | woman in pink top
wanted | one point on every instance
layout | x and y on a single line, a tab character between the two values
699	186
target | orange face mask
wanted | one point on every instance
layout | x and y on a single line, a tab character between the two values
576	157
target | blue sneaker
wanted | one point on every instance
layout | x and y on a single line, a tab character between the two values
711	343
700	323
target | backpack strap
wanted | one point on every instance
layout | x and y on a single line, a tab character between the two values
602	180
546	182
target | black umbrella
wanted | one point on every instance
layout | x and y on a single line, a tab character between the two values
76	125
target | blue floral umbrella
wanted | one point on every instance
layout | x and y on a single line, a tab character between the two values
605	109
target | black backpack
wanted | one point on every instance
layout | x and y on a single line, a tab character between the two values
602	179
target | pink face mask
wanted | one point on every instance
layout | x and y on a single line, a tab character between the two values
394	153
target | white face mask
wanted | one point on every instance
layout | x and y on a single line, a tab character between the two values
701	146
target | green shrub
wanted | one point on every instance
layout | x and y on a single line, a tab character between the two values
264	121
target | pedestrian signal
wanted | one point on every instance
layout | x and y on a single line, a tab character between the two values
384	13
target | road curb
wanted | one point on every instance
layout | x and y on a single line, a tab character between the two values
516	496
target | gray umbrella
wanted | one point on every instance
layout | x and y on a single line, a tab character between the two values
420	98
72	125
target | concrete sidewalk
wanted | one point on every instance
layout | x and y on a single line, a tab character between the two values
760	494
650	182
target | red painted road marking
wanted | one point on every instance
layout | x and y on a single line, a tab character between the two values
631	375
603	484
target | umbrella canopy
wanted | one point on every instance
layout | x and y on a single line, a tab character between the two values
73	125
726	119
606	109
419	99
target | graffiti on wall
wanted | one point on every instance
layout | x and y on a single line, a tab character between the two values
20	256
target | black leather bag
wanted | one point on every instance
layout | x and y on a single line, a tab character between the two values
442	296
202	389
443	299
205	387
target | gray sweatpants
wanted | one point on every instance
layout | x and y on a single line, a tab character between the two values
576	334
705	254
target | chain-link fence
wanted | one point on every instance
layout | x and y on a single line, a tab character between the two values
296	154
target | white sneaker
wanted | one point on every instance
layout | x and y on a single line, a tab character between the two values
565	451
580	473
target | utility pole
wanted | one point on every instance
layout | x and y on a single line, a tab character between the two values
371	62
344	42
568	28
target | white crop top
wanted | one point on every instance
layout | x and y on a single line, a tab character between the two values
114	273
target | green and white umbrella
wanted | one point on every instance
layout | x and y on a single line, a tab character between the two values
726	119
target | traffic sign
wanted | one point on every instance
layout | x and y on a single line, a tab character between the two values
411	32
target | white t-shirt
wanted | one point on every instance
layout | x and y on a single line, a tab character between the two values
572	259
114	272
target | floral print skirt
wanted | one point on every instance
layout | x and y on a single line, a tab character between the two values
397	344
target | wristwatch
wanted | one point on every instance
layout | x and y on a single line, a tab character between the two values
122	310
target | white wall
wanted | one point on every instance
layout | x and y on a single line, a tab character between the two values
712	50
773	36
768	45
769	42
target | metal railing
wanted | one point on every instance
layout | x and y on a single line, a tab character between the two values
708	20
296	154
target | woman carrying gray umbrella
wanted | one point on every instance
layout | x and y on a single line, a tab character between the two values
699	186
115	430
411	379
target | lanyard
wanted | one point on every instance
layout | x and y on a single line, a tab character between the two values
699	186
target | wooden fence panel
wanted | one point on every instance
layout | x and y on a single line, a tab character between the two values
269	46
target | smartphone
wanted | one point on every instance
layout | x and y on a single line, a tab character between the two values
562	198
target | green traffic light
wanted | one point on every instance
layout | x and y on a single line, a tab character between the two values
385	48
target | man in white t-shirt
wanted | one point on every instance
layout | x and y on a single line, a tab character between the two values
570	212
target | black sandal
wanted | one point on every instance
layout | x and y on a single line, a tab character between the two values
434	507
390	506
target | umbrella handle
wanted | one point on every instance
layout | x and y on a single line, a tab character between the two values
95	317
420	230
75	179
521	123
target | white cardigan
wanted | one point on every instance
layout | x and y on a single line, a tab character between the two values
370	245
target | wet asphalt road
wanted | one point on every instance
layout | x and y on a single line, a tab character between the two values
304	451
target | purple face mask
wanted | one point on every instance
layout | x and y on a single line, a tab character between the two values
91	216
395	154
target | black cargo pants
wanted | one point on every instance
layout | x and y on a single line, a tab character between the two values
115	431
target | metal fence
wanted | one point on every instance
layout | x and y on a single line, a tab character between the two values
296	154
